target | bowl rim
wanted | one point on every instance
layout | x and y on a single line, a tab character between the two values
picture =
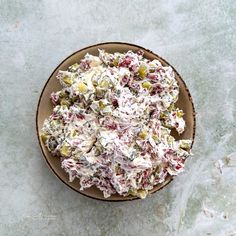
45	85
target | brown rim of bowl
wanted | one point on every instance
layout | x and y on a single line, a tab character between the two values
99	44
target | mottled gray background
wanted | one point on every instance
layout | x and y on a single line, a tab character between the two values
197	37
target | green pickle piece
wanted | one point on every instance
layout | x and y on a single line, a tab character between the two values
82	87
143	134
167	125
44	137
132	192
115	62
65	150
101	104
155	138
55	123
74	67
99	93
65	102
185	144
179	113
142	71
142	193
170	140
147	85
67	80
75	133
104	84
171	107
63	94
163	115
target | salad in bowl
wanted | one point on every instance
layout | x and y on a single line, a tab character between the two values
114	123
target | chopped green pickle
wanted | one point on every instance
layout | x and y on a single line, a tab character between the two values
147	85
65	150
44	137
67	80
74	67
63	94
55	123
115	62
167	125
64	107
142	71
104	84
163	115
179	113
65	102
142	193
155	137
99	92
101	104
143	134
185	144
170	140
171	107
82	87
132	192
75	133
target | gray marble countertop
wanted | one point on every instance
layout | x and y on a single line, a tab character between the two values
197	37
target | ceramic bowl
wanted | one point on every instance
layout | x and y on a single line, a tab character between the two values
44	109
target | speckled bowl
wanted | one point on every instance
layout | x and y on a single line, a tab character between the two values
44	109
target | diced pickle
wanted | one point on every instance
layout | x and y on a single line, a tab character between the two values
169	126
142	71
185	144
64	107
179	113
163	115
164	130
65	102
63	94
155	137
74	67
99	150
147	85
171	107
132	192
143	134
99	93
82	88
101	104
75	133
170	139
44	137
67	80
104	84
152	70
55	123
115	62
65	150
142	193
74	99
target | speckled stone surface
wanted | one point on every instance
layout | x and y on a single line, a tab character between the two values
197	37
